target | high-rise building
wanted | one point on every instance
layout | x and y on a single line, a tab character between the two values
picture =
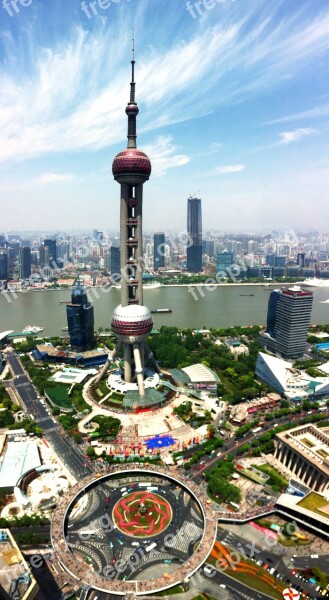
301	259
224	261
131	321
194	230
80	320
159	250
52	249
25	262
43	256
208	247
288	321
115	264
3	265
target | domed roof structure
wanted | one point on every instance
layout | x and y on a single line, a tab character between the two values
132	323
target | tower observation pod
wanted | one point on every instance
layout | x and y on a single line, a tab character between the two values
131	320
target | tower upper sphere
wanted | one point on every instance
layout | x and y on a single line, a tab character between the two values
131	166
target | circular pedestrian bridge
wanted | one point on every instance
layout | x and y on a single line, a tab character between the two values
138	528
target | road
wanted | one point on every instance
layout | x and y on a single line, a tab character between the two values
232	446
302	562
69	453
273	556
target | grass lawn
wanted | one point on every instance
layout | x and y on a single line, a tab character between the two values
247	572
203	597
59	396
257	584
293	542
177	589
275	477
314	502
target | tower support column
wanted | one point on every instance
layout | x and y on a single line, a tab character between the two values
139	371
124	242
127	363
139	236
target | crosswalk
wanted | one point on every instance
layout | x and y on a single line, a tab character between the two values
188	532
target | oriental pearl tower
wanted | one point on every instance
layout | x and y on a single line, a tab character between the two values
131	320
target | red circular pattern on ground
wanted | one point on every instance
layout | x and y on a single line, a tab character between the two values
130	521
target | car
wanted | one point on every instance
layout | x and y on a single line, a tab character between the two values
222	585
208	570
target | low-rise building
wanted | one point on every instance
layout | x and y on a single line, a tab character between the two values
240	412
293	383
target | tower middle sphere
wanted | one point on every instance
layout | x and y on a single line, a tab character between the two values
131	166
132	323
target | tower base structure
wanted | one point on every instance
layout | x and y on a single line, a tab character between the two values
132	324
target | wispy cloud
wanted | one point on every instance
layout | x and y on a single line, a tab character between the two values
287	137
312	113
223	170
79	84
163	156
46	178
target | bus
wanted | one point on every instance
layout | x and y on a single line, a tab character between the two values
150	547
256	430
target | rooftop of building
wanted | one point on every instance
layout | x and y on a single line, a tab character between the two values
55	352
199	373
311	442
71	375
293	382
15	574
18	459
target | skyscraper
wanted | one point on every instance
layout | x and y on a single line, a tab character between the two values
52	248
131	320
159	250
80	320
43	256
25	263
194	230
288	321
115	264
3	265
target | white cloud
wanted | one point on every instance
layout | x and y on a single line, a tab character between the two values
46	178
312	113
71	97
163	156
293	136
227	169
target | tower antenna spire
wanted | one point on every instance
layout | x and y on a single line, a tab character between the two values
132	108
133	58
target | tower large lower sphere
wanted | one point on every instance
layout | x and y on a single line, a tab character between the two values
131	320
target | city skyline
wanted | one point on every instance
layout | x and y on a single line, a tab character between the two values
250	141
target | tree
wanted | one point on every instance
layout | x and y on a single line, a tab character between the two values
211	429
91	452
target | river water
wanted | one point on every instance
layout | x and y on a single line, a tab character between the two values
223	306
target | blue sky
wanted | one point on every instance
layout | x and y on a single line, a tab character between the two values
234	107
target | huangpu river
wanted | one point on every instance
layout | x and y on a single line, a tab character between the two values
224	306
